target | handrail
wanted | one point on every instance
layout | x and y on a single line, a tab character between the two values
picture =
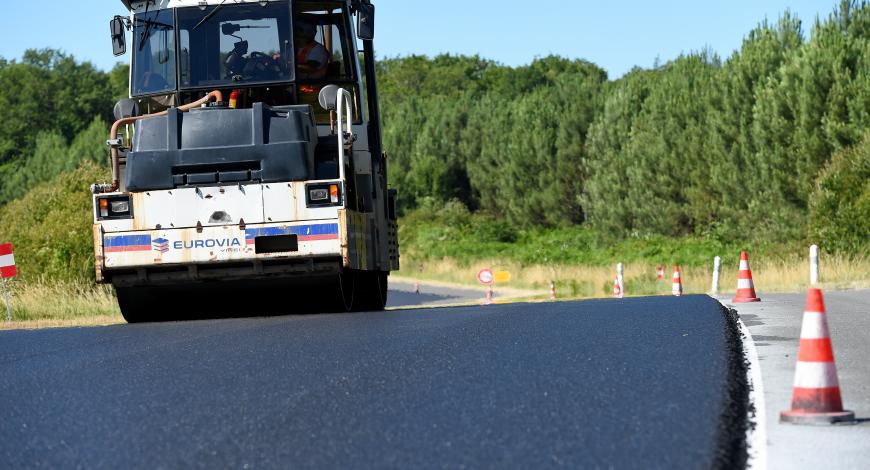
345	139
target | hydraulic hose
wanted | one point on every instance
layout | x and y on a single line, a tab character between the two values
113	136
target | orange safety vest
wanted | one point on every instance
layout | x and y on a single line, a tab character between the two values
302	56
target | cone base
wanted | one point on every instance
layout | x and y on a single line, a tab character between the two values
742	300
803	417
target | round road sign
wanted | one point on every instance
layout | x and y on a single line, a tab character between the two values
485	276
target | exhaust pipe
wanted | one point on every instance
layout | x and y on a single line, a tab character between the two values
115	143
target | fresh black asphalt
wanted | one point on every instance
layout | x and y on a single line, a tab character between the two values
633	383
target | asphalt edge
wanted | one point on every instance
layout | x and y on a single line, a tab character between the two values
734	423
756	435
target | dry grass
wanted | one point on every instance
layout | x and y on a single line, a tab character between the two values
40	304
640	279
44	305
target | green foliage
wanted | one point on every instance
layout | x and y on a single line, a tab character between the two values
504	140
53	156
51	227
49	99
435	231
49	90
696	147
840	204
119	80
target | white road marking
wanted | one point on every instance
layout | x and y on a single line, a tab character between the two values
756	439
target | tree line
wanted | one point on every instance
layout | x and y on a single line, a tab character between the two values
55	117
770	143
751	147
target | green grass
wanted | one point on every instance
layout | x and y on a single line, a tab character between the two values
451	232
451	244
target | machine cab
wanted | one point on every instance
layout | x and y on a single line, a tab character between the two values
280	54
275	52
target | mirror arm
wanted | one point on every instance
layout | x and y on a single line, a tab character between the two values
128	24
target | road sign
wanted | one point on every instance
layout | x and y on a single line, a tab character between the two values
7	261
501	276
486	276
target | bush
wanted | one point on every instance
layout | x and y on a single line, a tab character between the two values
51	227
840	205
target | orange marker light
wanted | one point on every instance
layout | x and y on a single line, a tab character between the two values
234	99
333	193
104	207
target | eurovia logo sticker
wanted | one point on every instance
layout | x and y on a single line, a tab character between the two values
161	245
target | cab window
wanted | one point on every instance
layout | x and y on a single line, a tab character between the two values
153	53
324	54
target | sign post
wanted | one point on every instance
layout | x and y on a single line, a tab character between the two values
7	270
487	277
6	301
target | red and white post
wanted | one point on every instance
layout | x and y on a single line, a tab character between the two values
620	280
7	270
677	288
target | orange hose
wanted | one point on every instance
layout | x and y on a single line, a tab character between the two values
113	134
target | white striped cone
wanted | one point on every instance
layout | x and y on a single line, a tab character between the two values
617	292
552	291
677	290
745	286
816	395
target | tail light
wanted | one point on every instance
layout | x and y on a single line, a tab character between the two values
104	207
114	208
323	194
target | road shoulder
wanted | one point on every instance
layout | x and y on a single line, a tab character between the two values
775	325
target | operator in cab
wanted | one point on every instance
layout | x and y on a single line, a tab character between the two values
312	58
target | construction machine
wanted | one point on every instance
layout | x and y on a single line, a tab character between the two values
248	175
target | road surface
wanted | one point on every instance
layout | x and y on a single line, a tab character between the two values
403	294
775	325
634	383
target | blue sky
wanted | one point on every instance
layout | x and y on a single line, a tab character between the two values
614	35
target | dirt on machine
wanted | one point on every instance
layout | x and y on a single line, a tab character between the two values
248	174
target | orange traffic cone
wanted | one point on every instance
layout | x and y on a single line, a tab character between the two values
816	395
745	287
552	290
678	283
617	292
